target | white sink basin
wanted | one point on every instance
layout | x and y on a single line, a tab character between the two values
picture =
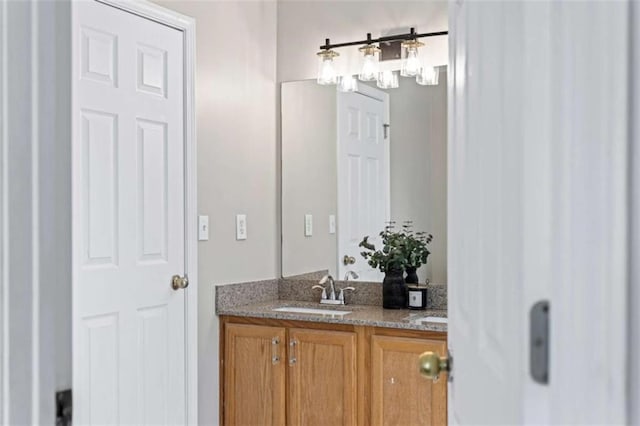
439	320
311	311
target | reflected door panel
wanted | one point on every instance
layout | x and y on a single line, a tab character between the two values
363	178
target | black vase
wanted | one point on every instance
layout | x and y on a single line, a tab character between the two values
394	290
412	276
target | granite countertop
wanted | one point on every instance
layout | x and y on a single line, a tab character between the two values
366	315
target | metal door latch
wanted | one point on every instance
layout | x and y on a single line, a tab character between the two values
539	342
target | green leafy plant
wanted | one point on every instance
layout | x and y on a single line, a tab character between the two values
415	246
391	257
400	249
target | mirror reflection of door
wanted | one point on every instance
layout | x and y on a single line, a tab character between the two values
363	176
315	174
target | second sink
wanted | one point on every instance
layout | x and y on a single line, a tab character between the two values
311	311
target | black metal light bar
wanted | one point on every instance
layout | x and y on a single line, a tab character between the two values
412	35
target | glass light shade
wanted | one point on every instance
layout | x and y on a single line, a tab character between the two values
327	73
387	80
428	76
369	71
411	65
347	83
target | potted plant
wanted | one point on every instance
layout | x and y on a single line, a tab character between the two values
391	260
415	251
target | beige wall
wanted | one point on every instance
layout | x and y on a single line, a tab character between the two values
236	101
303	26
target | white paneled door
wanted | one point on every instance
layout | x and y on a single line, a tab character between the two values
129	364
363	176
537	211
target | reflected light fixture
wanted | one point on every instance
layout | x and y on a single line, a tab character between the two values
347	83
428	76
327	73
411	65
387	80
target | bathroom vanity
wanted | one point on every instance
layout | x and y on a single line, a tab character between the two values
281	364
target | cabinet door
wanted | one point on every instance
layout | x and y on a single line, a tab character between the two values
322	377
400	395
254	382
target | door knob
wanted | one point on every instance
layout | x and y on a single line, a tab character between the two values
178	282
348	260
431	365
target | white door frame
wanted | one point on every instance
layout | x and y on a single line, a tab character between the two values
634	215
187	25
33	150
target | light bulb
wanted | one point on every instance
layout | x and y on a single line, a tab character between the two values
428	76
347	83
411	65
387	80
326	69
369	70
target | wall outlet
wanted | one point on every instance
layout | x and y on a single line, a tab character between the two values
332	223
241	227
203	228
308	225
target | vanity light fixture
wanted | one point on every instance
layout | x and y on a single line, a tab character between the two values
411	65
369	70
327	73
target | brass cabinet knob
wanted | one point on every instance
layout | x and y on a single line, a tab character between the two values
348	260
431	365
178	282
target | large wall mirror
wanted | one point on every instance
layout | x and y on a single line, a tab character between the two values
351	162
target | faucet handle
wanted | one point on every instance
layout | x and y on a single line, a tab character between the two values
342	290
324	291
351	274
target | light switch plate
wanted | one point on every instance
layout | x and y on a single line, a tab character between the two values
203	228
308	225
332	224
241	227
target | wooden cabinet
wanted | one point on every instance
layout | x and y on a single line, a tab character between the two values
322	377
399	394
254	375
278	372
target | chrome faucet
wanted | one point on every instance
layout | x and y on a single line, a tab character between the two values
332	287
350	274
331	298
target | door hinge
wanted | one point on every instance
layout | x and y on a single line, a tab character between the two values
64	408
385	129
